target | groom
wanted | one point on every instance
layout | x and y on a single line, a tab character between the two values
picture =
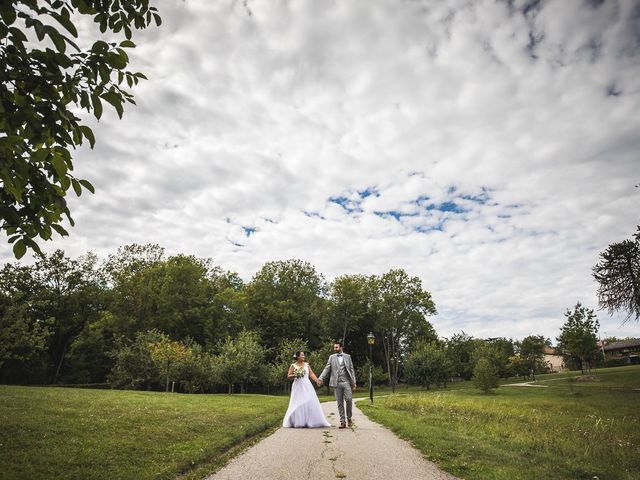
342	379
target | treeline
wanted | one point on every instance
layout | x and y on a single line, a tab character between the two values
144	320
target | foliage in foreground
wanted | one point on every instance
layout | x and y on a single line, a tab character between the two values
45	77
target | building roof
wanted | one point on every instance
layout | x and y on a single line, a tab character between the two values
551	351
631	342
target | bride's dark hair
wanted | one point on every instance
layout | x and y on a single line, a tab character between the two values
297	354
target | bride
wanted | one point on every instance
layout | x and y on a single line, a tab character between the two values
304	407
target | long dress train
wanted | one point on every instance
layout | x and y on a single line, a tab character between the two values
304	409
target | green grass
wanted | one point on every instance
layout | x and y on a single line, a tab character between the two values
584	428
67	433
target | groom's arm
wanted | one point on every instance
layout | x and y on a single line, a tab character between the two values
352	371
326	370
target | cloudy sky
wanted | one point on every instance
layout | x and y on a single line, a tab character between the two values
488	147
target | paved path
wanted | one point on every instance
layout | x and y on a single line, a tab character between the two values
367	451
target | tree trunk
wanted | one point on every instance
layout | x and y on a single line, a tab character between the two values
62	355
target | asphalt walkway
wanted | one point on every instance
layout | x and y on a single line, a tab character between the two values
367	451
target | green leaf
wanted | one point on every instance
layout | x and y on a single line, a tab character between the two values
40	155
59	165
127	44
97	106
99	47
88	134
114	99
76	186
157	19
59	229
19	249
66	23
88	186
7	12
116	61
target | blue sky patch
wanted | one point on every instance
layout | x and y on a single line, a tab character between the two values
248	231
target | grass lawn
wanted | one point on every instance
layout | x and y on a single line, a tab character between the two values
68	433
577	427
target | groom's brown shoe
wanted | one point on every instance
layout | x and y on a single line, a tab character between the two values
350	423
342	425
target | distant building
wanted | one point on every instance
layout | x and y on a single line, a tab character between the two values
554	359
628	350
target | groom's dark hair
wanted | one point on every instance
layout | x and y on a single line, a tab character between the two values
338	342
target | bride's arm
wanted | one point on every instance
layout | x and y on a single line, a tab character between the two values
312	375
291	375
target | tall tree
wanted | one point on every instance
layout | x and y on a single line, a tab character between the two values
287	299
24	330
134	274
350	304
45	78
579	335
532	352
403	307
352	314
229	310
460	348
73	296
618	276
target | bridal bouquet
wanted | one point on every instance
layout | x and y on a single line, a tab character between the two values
299	372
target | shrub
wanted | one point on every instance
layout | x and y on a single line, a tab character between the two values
485	375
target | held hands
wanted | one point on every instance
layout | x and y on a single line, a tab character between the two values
319	382
354	387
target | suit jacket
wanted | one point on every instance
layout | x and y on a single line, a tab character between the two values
333	364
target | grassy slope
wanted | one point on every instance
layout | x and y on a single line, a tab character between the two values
578	429
89	434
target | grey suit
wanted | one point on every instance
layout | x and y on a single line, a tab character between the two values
342	378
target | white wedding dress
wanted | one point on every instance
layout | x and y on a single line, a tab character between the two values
304	409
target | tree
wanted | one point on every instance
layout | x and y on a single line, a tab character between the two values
228	311
349	313
427	365
532	352
287	300
402	307
497	350
24	332
194	371
133	366
459	350
240	360
71	296
45	77
618	276
276	375
167	354
485	375
579	335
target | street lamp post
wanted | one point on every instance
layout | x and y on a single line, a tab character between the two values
371	339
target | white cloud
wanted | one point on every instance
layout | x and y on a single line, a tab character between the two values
527	123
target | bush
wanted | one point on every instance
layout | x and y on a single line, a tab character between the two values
133	366
428	365
485	375
378	374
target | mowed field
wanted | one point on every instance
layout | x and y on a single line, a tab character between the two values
571	427
68	433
